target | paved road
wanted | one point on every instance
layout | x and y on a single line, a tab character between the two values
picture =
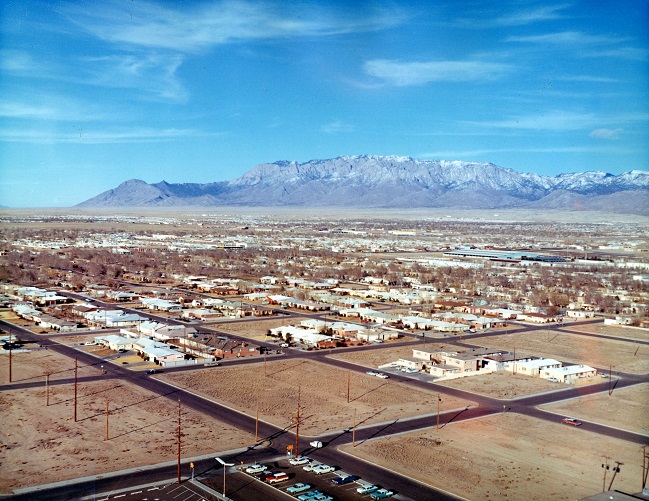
279	438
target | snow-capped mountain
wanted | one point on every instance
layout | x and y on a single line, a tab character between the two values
392	182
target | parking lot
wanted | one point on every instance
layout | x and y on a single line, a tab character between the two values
241	485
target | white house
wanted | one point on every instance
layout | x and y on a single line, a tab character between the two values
569	373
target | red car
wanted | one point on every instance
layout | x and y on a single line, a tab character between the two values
571	421
276	477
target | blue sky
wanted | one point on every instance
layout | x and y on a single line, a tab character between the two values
95	93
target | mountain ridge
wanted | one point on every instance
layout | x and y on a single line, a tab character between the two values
393	182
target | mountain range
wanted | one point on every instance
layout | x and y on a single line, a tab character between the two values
393	182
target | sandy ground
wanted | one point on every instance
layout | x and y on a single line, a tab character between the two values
612	330
624	356
375	400
508	456
626	408
43	442
34	364
503	385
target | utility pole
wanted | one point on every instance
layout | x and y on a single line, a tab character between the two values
354	430
76	370
10	350
106	419
349	377
616	470
439	399
264	363
605	467
257	424
47	389
297	424
610	380
179	441
645	466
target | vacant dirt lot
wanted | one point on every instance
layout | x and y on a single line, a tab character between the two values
502	385
323	394
39	443
34	364
624	356
386	354
626	408
508	456
255	330
612	330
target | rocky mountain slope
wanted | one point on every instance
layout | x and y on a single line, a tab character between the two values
393	182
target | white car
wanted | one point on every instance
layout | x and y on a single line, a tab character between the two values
323	468
299	460
316	444
310	466
372	373
382	375
256	468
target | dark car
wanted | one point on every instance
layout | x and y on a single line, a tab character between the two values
345	480
154	371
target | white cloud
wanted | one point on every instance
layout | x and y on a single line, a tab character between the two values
337	127
152	73
553	120
401	74
606	133
563	38
97	136
203	25
544	13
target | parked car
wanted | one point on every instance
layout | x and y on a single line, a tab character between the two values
382	494
323	468
367	489
296	488
316	444
256	468
348	479
309	495
571	421
310	466
299	460
276	477
211	364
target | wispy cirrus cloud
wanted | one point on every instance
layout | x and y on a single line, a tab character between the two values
401	74
152	73
565	37
553	120
561	120
52	107
337	127
628	53
98	136
518	17
195	28
610	134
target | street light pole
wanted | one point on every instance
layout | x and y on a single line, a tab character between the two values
224	464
